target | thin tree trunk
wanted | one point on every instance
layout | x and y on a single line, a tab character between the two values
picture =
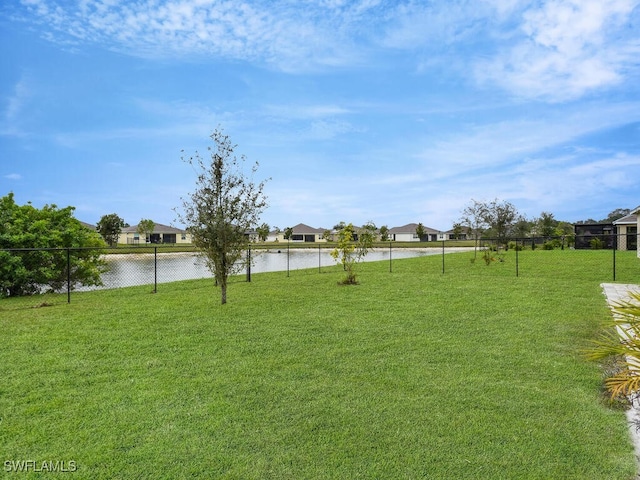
223	292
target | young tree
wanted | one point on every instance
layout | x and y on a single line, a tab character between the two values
110	227
500	217
473	217
546	225
384	233
146	227
53	229
263	232
349	251
457	231
224	206
288	233
420	232
522	227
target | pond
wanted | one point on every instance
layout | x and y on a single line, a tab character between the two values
140	269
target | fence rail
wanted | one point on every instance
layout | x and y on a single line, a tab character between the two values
66	270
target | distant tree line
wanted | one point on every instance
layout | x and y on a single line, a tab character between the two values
616	214
500	220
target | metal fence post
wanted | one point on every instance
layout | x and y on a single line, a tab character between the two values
249	264
615	247
68	275
517	264
288	243
390	262
319	260
443	257
155	269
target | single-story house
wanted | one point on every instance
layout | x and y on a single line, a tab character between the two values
463	234
636	212
300	233
407	233
161	234
627	231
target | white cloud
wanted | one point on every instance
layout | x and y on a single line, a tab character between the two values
566	49
555	50
286	35
16	101
13	176
327	129
415	24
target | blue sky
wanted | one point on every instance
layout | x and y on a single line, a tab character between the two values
366	110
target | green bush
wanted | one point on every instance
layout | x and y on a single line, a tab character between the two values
34	259
515	246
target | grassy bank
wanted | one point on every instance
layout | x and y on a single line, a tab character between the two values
411	374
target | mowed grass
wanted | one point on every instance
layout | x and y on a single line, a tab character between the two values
411	374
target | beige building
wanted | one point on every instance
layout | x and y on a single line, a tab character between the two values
408	233
301	233
627	231
161	234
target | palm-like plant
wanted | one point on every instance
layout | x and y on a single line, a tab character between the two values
623	344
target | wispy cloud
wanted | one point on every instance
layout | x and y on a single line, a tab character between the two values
493	145
413	25
554	50
13	176
15	103
308	111
564	49
283	34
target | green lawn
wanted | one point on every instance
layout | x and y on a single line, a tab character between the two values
411	374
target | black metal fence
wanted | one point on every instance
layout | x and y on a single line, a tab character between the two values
32	272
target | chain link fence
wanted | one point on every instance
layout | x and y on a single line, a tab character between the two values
40	276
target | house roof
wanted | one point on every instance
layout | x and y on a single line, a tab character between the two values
88	225
157	228
301	228
411	228
630	219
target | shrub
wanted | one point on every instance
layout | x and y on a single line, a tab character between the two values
515	246
622	344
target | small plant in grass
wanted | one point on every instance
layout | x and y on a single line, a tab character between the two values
492	254
352	248
515	246
488	257
548	246
622	344
596	244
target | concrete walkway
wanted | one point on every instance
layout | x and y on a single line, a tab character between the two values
616	293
